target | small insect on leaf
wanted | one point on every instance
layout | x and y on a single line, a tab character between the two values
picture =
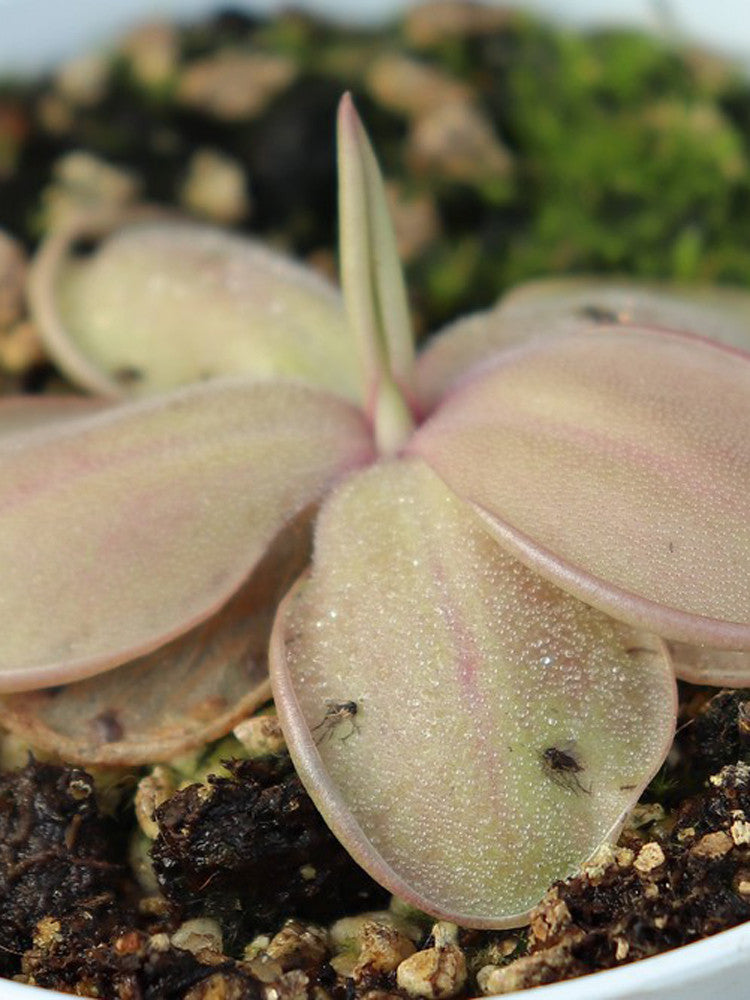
600	314
337	713
563	767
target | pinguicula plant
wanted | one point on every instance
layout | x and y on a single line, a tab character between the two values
518	537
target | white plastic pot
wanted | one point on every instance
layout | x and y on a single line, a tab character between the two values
33	32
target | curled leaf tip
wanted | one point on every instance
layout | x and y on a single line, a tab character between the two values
717	667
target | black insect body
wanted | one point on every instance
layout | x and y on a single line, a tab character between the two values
600	314
336	714
563	767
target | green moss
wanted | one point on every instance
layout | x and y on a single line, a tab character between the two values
629	164
627	154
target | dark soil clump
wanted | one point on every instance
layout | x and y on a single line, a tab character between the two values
720	733
133	965
251	850
58	856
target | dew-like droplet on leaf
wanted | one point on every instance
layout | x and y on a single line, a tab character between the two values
188	692
554	307
617	463
122	530
501	726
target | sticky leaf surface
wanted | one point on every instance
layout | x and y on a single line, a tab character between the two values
560	306
719	313
198	686
121	534
501	726
618	464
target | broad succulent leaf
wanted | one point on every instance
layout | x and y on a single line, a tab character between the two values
558	306
371	274
717	667
183	695
616	463
461	347
501	728
719	313
163	302
121	532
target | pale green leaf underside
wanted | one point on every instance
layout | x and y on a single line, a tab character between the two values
558	306
123	532
198	686
465	668
617	463
165	303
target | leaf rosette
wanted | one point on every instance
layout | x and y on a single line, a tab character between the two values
517	538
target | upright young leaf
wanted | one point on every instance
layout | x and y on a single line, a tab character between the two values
469	731
371	275
617	464
122	531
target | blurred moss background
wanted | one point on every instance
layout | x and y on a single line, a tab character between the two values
513	148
